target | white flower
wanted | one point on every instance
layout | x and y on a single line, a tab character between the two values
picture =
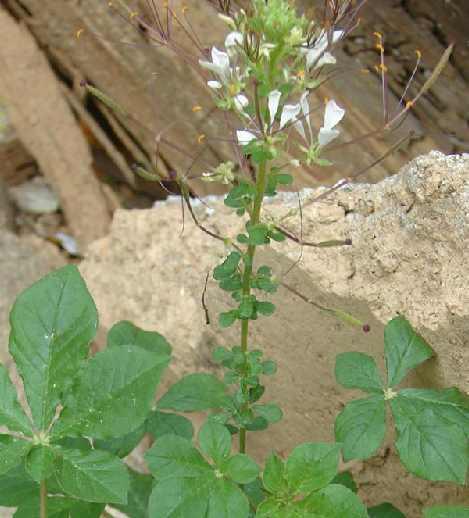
220	64
273	99
244	137
289	113
332	116
215	85
318	56
234	38
241	101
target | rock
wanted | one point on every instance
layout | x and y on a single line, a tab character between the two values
35	197
22	261
409	255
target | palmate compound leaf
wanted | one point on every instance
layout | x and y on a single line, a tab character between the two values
404	349
163	423
126	333
215	441
188	486
52	325
431	441
60	507
11	414
193	393
360	427
446	511
114	393
40	462
358	370
12	452
139	495
16	487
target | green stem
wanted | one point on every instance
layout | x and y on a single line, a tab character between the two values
247	278
43	500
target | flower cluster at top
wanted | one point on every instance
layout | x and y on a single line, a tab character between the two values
272	60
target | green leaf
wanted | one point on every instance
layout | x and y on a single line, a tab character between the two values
274	475
188	485
258	234
193	393
265	308
270	412
404	349
345	479
115	393
16	487
122	446
126	333
162	423
360	427
94	476
40	462
429	446
228	318
335	501
312	466
12	451
241	468
60	507
246	308
11	413
358	370
269	367
255	493
215	441
444	511
139	494
52	325
384	510
228	267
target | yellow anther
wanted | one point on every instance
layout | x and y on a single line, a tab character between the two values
409	104
364	71
301	74
197	108
133	15
326	100
184	9
383	67
378	35
419	54
79	33
379	47
377	69
201	138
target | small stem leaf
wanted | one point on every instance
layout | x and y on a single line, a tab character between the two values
195	392
334	501
16	487
429	445
358	370
311	466
271	412
265	308
94	476
274	475
115	393
384	510
52	325
12	452
346	479
126	333
228	318
40	462
162	423
139	494
11	414
446	511
360	427
122	446
173	456
215	441
228	267
241	468
404	349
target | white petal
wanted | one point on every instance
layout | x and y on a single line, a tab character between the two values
274	99
220	59
332	115
244	137
326	59
216	85
336	36
306	110
327	135
289	113
298	125
241	101
234	38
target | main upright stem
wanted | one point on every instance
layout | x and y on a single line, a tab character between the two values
247	276
43	499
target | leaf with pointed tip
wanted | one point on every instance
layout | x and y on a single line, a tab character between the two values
115	393
12	452
16	487
60	507
241	468
40	462
429	445
11	414
335	501
163	423
274	475
195	392
346	479
215	441
126	333
358	371
360	427
445	511
311	466
122	446
52	325
139	494
404	349
94	476
384	510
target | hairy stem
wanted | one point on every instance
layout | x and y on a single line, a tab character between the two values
43	499
247	278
